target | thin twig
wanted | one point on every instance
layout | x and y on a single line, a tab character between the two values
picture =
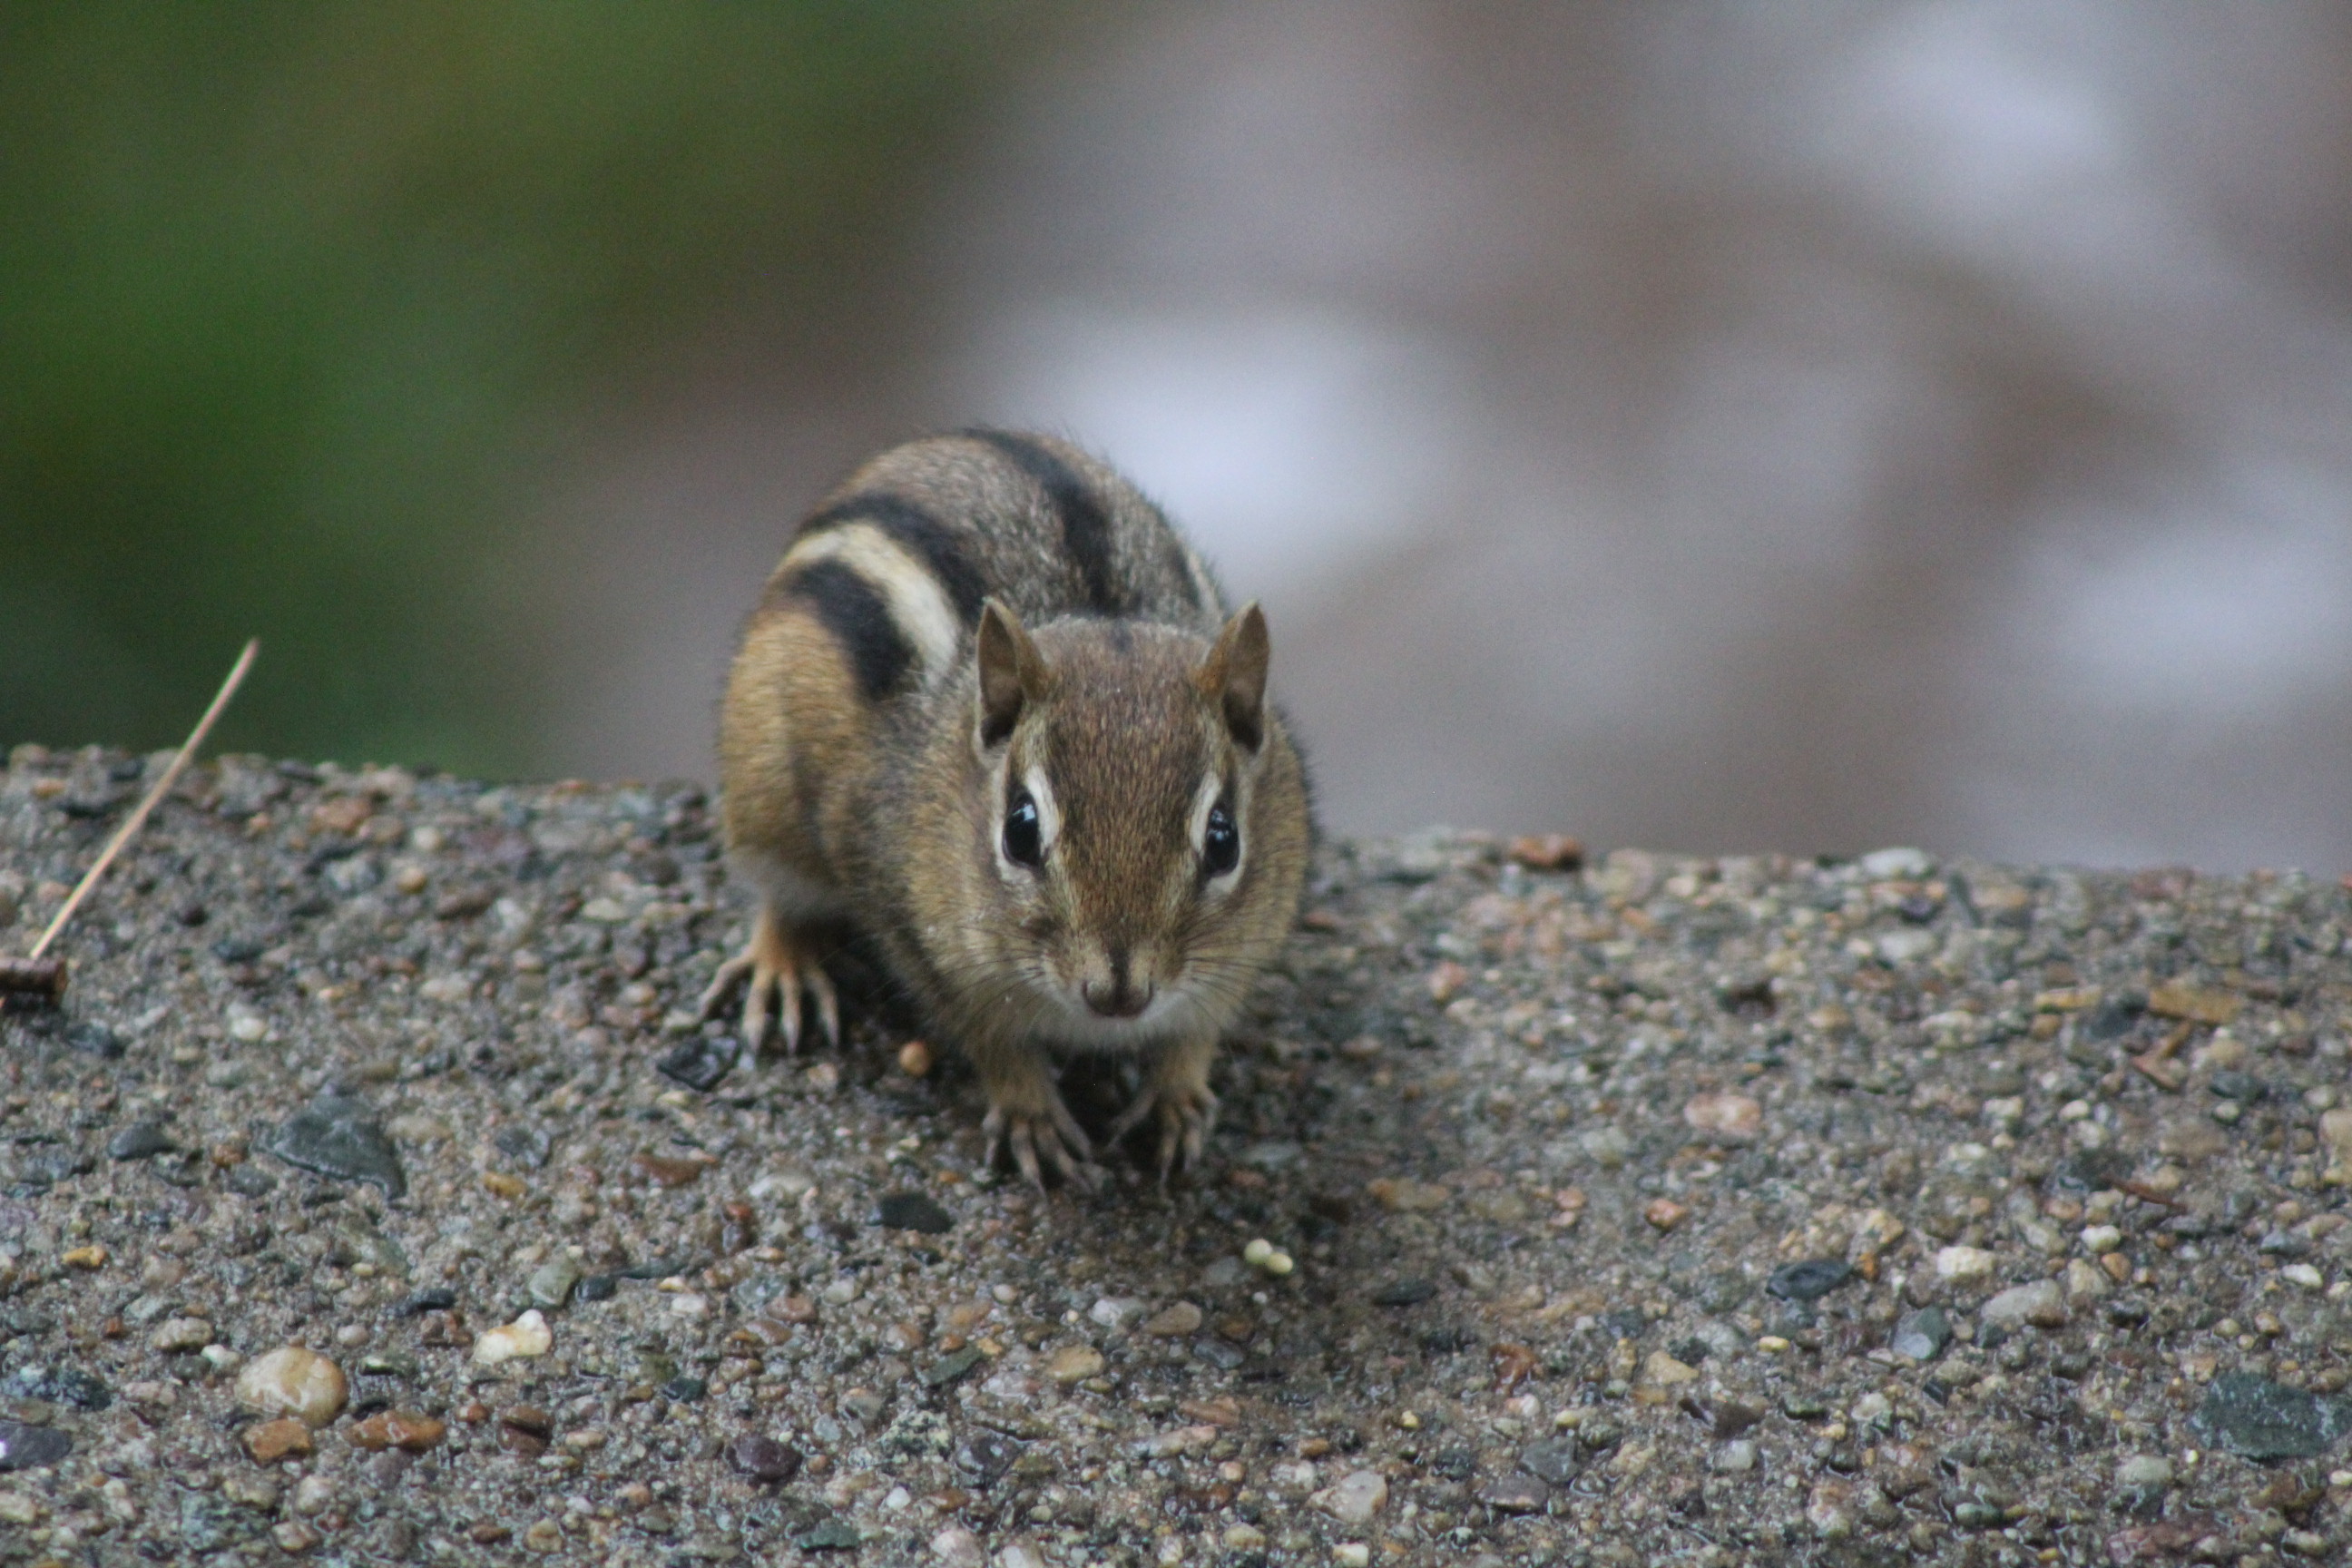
162	786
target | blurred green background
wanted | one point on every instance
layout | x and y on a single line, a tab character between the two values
296	299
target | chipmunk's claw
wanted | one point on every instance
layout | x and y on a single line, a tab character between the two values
1186	1113
1050	1133
778	965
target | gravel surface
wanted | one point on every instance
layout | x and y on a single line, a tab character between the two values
1702	1211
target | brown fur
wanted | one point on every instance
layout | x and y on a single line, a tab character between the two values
1104	669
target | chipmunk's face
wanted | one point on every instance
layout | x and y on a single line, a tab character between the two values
1121	764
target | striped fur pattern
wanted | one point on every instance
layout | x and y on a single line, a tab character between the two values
993	709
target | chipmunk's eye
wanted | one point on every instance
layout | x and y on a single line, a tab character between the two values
1221	844
1024	841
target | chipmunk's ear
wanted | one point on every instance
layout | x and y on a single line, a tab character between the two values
1233	675
1012	672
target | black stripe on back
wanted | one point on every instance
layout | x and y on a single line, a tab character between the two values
1085	526
858	616
917	531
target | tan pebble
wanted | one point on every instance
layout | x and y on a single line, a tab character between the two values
2118	1266
1964	1263
915	1058
1074	1363
504	1185
527	1335
1403	1195
1664	1212
1547	852
2335	1131
404	1429
1663	1371
90	1257
180	1334
284	1439
1724	1118
2191	1005
545	1535
295	1537
291	1381
1446	981
21	1508
1183	1318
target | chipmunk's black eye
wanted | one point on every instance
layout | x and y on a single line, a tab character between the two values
1025	843
1221	844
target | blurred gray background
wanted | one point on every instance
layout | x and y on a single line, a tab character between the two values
1708	426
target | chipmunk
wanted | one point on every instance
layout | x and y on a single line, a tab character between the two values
991	710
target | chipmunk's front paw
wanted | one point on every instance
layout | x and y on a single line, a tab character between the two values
777	964
1041	1132
1186	1111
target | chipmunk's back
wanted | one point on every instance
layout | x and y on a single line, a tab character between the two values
897	561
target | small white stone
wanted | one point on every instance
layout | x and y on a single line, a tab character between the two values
1734	1458
2303	1274
247	1026
2037	1302
689	1304
1359	1496
1964	1263
527	1336
1351	1554
1257	1252
291	1381
1907	946
1116	1311
1896	864
2101	1238
958	1548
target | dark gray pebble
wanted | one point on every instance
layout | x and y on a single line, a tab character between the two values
1808	1280
2230	1083
833	1535
433	1298
59	1386
683	1390
335	1136
913	1211
1921	1335
1554	1460
93	1038
1516	1494
986	1457
1403	1293
2250	1414
764	1459
249	1180
1625	1322
138	1141
596	1288
701	1061
25	1448
525	1146
949	1368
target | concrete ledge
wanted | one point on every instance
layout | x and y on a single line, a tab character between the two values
1738	1210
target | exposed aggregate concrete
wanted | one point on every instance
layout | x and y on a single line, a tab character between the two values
1747	1210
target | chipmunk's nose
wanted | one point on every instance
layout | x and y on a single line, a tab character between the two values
1121	997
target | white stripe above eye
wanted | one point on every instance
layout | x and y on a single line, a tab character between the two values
1205	800
919	606
1049	815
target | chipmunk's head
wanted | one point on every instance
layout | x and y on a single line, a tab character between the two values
1141	820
